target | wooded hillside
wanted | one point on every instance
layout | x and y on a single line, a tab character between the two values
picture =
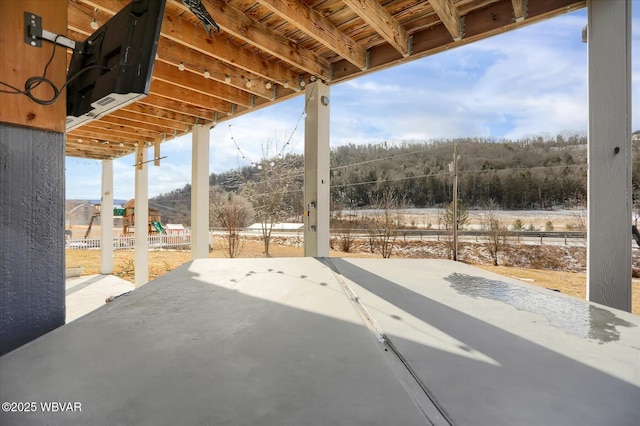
532	173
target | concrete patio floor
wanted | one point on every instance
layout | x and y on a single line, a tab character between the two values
87	293
332	342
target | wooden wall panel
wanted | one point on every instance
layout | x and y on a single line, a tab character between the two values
19	61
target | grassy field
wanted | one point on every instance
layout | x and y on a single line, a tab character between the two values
160	262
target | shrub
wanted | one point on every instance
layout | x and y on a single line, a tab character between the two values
518	225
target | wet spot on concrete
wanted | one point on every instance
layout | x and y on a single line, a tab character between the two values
571	315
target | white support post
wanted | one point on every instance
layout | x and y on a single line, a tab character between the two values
200	192
609	146
141	219
316	171
106	218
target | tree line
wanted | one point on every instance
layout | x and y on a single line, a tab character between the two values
530	173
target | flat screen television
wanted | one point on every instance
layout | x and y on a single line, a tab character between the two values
115	63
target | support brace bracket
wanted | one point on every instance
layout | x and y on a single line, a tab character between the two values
34	34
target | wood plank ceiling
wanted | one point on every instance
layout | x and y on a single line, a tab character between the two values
267	50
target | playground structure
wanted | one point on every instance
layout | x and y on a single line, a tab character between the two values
127	213
128	219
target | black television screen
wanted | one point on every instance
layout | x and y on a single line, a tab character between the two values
115	64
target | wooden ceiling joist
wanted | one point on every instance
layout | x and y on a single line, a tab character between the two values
267	48
382	23
133	125
173	53
198	83
449	16
519	9
146	112
321	29
195	38
239	25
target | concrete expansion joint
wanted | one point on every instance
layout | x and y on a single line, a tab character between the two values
434	413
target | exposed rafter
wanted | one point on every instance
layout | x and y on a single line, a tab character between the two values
519	9
259	35
266	48
321	29
449	16
382	23
173	53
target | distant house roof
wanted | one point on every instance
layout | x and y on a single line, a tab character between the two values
279	226
174	227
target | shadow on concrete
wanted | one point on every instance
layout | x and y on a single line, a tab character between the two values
82	283
277	342
193	348
530	385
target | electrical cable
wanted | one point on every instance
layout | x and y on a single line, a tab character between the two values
35	81
169	208
32	82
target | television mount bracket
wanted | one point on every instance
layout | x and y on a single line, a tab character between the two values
34	34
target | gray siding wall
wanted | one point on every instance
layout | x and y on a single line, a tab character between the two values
32	270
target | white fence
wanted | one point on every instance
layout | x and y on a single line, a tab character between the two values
182	242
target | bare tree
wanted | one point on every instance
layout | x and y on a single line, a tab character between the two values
495	237
371	225
345	236
232	212
578	221
268	194
387	222
445	220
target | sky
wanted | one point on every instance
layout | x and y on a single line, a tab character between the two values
527	82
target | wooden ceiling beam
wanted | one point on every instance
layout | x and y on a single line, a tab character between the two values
182	31
196	82
117	127
199	113
274	43
163	124
236	23
317	26
110	7
382	22
102	151
133	125
101	135
449	16
189	97
173	53
176	118
83	151
519	9
480	23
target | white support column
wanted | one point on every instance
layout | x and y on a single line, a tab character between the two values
200	192
609	178
316	171
141	219
106	218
